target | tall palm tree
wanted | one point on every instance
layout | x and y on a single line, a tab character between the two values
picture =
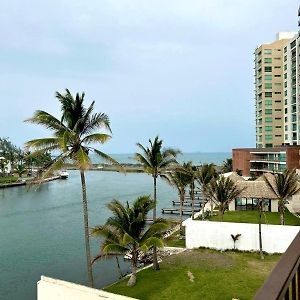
72	137
127	231
227	165
206	173
222	191
193	173
156	161
179	179
284	185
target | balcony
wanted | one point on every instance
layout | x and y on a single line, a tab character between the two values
284	281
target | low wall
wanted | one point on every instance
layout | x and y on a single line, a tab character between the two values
217	235
50	289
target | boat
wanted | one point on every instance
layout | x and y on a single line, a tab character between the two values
63	174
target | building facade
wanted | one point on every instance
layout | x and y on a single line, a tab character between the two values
269	91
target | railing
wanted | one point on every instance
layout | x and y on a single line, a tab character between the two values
284	281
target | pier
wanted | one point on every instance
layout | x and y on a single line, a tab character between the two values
185	211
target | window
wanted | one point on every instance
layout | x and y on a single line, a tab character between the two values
251	203
286	136
278	118
278	135
268	111
268	77
268	120
269	137
277	83
285	75
277	93
285	49
293	44
277	101
278	75
277	58
285	93
285	101
268	102
294	127
268	128
277	109
286	128
268	69
277	67
285	67
268	51
278	127
285	58
268	94
269	145
268	60
268	85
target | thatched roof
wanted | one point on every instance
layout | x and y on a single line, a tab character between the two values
234	176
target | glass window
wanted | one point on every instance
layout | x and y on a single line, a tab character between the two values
268	51
268	94
277	83
268	60
268	69
268	111
268	102
268	120
269	137
268	85
268	77
269	128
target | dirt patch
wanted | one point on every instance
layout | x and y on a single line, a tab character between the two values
201	259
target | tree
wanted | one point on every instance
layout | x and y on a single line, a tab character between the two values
72	137
227	165
193	173
20	170
284	185
179	179
222	191
127	231
206	173
156	161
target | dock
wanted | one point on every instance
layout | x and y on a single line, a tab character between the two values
185	211
187	203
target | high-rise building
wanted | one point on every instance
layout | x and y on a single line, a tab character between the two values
291	73
269	91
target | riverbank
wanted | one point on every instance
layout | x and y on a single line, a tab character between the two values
27	181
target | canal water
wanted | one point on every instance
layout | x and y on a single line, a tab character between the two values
42	229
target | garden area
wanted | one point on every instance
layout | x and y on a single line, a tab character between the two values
201	274
252	216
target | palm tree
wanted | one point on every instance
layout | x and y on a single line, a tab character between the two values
284	185
179	179
156	161
126	231
206	173
20	170
227	165
193	173
222	191
72	136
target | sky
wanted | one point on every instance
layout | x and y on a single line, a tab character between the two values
182	70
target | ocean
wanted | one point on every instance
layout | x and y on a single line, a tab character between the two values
42	227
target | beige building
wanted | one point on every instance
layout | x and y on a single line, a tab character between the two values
269	91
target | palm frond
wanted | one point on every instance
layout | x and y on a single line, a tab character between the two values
96	138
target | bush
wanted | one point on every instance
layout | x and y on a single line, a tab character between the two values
8	179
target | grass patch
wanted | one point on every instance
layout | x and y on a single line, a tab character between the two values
201	274
252	216
9	179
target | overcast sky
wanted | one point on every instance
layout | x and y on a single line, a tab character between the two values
182	69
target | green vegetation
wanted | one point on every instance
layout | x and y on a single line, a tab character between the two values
11	179
127	231
155	161
202	274
174	241
252	216
74	133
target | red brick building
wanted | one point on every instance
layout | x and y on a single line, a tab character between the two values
260	160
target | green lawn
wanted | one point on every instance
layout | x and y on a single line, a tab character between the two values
252	216
10	179
216	275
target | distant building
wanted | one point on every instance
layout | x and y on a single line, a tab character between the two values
270	92
261	160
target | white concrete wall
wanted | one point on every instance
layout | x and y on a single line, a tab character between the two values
217	235
54	289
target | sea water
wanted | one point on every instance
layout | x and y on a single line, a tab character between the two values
42	227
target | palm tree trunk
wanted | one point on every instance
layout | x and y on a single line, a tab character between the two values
281	211
132	279
86	231
119	268
181	195
193	199
155	261
259	230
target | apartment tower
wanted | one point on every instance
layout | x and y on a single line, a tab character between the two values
269	91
